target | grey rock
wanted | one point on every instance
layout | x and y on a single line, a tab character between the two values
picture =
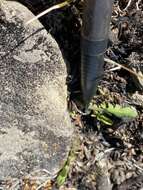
35	128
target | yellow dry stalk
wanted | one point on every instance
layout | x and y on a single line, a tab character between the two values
57	6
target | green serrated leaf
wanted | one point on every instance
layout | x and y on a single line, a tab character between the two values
104	119
119	111
115	110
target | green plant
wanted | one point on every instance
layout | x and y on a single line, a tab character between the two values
103	111
63	173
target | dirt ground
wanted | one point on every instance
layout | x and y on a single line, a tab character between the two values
121	145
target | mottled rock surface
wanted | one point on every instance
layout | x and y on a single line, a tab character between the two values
35	128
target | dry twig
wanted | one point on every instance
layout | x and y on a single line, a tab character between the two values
58	6
124	67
